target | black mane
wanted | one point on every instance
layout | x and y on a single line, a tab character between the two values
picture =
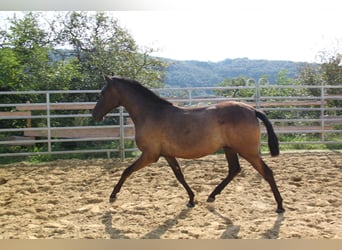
145	92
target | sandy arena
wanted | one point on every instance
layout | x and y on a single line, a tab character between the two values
69	199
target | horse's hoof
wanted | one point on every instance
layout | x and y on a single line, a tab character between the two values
280	210
190	204
112	199
210	199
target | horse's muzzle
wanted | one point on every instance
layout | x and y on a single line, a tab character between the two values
96	117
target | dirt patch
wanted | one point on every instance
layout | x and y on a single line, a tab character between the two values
69	199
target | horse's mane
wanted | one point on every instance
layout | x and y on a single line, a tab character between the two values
145	92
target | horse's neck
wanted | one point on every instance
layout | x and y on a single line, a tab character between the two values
136	105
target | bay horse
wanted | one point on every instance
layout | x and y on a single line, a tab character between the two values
162	129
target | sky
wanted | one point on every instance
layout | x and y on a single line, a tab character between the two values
214	30
220	34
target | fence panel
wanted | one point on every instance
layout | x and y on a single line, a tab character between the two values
59	122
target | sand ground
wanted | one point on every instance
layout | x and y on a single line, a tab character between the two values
69	199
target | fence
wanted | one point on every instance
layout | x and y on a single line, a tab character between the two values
59	122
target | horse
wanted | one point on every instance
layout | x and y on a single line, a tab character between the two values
165	130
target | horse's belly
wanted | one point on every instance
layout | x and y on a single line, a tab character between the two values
192	146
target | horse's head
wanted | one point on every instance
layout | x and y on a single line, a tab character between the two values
109	99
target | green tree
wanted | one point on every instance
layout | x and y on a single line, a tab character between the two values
98	46
102	46
30	60
23	48
267	90
240	81
327	72
283	79
26	47
10	70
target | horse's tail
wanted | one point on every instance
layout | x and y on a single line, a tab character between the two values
273	143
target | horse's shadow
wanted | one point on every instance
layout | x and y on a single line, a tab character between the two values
273	233
154	234
231	231
163	228
107	219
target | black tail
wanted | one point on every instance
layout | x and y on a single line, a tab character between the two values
273	143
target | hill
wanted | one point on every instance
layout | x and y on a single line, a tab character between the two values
197	73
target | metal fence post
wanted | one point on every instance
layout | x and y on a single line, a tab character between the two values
323	105
257	94
48	121
122	134
190	96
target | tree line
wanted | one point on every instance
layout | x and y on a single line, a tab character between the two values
96	43
328	72
73	50
195	73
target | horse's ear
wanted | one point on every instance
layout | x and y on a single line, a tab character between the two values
108	78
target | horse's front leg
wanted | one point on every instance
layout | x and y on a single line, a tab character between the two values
180	177
141	162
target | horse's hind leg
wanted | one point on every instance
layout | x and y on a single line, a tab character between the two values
180	177
234	169
267	173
